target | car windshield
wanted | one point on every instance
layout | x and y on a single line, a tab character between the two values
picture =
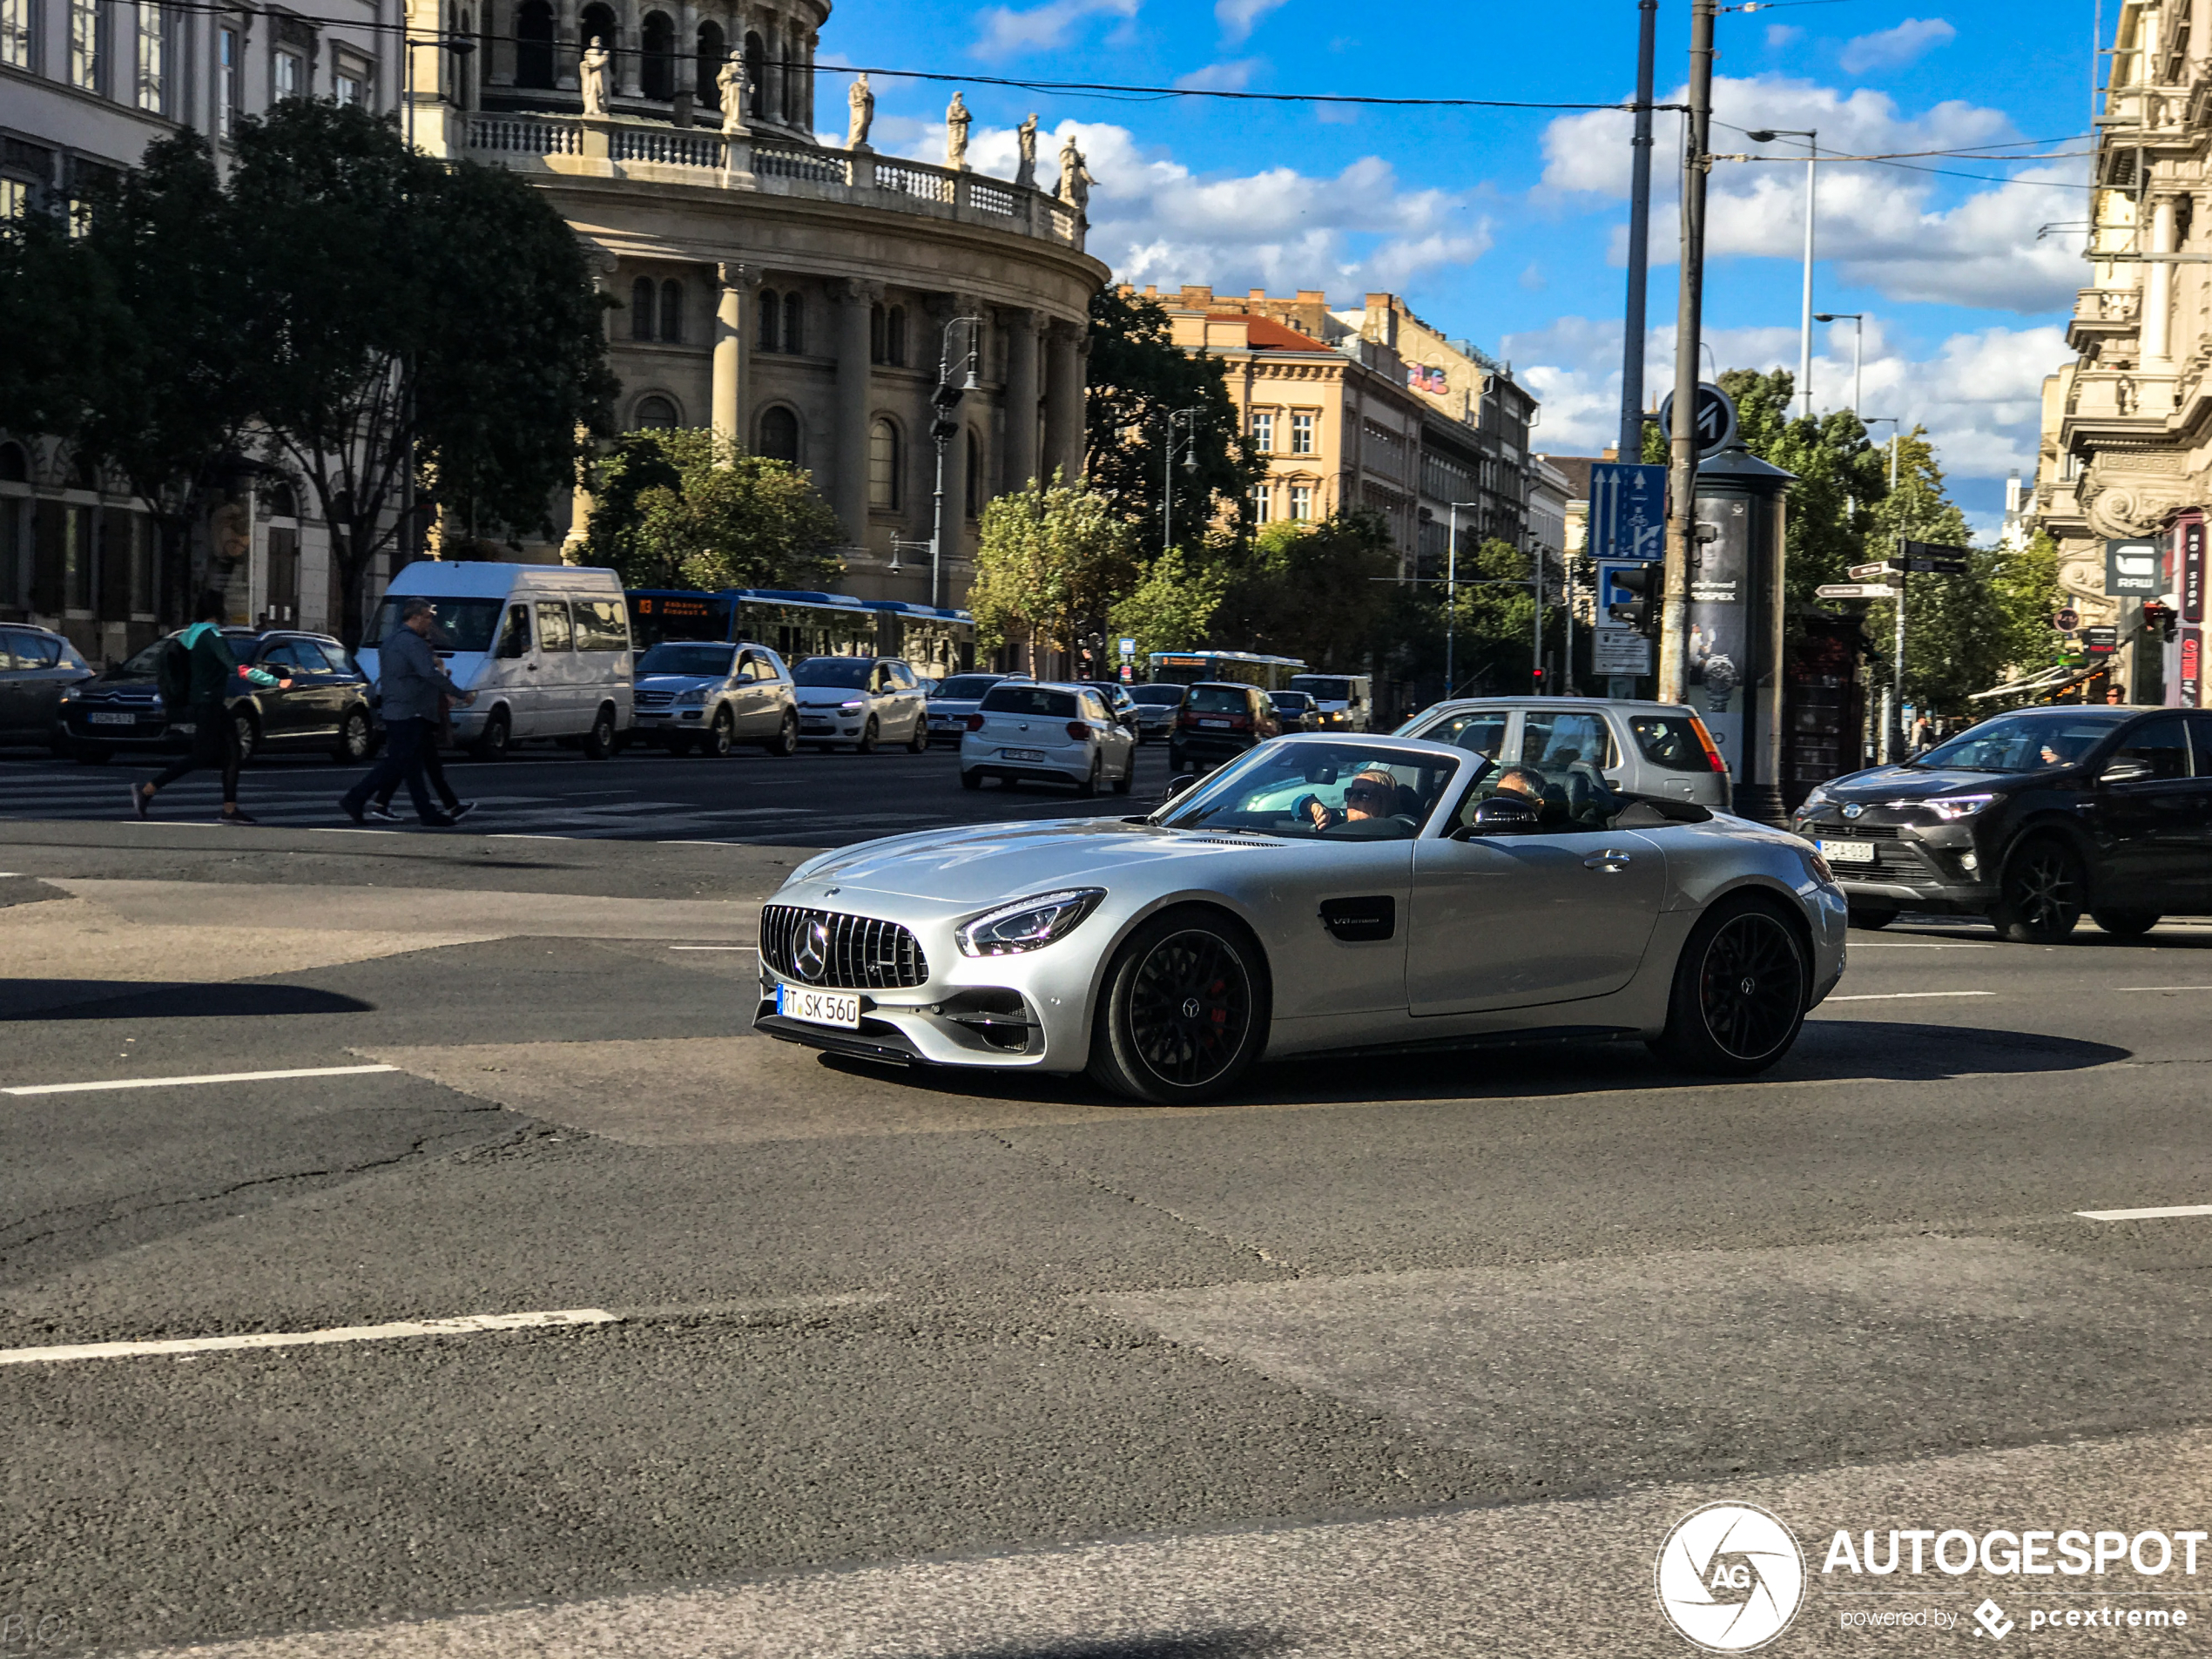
704	661
965	687
466	625
2021	743
1324	791
1030	699
1323	687
849	672
1161	696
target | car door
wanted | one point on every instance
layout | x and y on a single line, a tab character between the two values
1504	920
2146	809
914	702
555	671
18	678
308	708
1336	928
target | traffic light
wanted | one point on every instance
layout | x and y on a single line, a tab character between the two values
944	400
1641	612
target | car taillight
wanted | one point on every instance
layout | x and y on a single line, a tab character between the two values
1078	730
1712	754
1186	717
1240	723
974	723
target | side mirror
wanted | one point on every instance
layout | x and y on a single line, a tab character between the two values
1181	781
2125	772
1502	815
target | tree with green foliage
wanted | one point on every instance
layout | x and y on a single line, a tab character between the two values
1173	608
1052	562
679	509
1136	377
1319	590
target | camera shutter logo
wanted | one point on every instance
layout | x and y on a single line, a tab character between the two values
1730	1577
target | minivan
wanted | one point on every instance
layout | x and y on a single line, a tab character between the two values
544	647
1657	749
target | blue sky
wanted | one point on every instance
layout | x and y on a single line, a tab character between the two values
1508	226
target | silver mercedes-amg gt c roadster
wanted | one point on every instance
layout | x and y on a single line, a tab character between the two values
1320	894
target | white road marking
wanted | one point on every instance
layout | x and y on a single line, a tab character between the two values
2146	1215
462	1326
1905	996
178	1083
1900	944
2166	987
752	947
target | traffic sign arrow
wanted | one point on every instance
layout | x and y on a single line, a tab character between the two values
1857	591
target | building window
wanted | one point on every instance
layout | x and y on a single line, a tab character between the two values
713	55
351	77
76	558
15	32
780	435
229	67
15	561
1264	430
534	44
287	76
1302	432
85	68
657	414
878	332
883	465
794	322
1263	502
153	57
973	477
771	314
640	308
672	313
1301	501
894	341
658	70
755	56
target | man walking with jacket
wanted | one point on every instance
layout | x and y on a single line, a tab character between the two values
410	682
213	674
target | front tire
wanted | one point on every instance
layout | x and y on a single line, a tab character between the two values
1740	992
248	735
867	744
2126	924
1183	1011
2041	897
353	739
496	739
599	742
722	736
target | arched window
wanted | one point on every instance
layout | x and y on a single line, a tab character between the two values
640	308
657	37
771	314
534	44
878	332
282	504
756	54
712	54
657	414
780	435
14	464
794	322
671	311
894	340
974	475
883	465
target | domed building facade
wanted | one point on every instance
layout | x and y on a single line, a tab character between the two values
797	297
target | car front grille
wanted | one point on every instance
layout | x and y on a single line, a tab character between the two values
846	953
1894	860
652	699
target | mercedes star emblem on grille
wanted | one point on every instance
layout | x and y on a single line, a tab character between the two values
810	952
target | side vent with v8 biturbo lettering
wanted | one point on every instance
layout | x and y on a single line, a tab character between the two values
1360	921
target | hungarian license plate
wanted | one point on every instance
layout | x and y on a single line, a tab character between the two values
818	1007
1205	722
1848	852
1021	754
112	720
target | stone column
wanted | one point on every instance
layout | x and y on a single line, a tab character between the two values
738	285
1063	401
772	71
2158	292
628	62
566	47
849	494
497	41
813	42
687	62
1018	462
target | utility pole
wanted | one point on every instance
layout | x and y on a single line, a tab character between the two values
1897	666
1631	448
1682	472
1451	595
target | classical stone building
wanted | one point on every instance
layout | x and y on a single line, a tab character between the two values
2127	430
797	297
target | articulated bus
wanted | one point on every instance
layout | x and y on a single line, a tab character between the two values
799	624
1189	667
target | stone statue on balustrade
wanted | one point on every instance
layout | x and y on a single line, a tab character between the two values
862	103
956	120
736	92
1026	136
591	75
1074	179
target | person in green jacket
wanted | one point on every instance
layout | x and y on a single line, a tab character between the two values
215	672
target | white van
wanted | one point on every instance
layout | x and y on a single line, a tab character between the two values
1346	701
544	647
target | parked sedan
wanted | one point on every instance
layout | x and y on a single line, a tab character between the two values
954	699
702	697
37	666
327	705
2031	819
1321	894
864	701
1157	707
1063	733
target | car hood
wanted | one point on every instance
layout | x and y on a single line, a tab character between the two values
677	682
1919	783
828	695
983	864
114	680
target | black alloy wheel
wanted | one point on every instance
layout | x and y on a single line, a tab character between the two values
1184	1010
784	744
1740	992
496	739
354	740
2040	899
721	737
2126	924
248	735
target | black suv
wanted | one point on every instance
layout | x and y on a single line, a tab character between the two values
327	706
1218	721
2031	819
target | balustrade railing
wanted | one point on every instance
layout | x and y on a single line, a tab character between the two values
988	198
523	135
789	161
926	183
677	149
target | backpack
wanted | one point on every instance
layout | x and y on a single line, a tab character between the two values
172	674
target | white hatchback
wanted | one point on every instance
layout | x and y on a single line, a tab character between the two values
1066	733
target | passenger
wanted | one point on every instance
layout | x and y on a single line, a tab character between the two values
1519	780
1372	793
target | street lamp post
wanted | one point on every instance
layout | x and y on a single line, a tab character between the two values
946	400
459	47
1893	699
1177	418
1857	320
1811	136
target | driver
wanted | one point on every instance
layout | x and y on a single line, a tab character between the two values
2064	750
1372	793
1519	780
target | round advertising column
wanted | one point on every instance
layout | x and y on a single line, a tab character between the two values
1732	659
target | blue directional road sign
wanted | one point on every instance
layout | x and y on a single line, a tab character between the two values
1627	511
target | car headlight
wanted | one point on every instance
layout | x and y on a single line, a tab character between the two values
1819	795
1027	924
693	699
851	705
69	694
1948	807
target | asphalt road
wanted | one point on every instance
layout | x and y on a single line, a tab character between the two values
1412	1358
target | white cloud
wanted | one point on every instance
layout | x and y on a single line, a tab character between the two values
1895	48
1779	35
1153	219
1006	31
1239	18
1233	76
1877	225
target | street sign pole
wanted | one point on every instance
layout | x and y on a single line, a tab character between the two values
1681	506
1631	448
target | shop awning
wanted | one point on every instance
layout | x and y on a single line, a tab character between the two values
2045	683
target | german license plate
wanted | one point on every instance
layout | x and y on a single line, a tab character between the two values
112	720
1021	754
818	1007
1848	852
